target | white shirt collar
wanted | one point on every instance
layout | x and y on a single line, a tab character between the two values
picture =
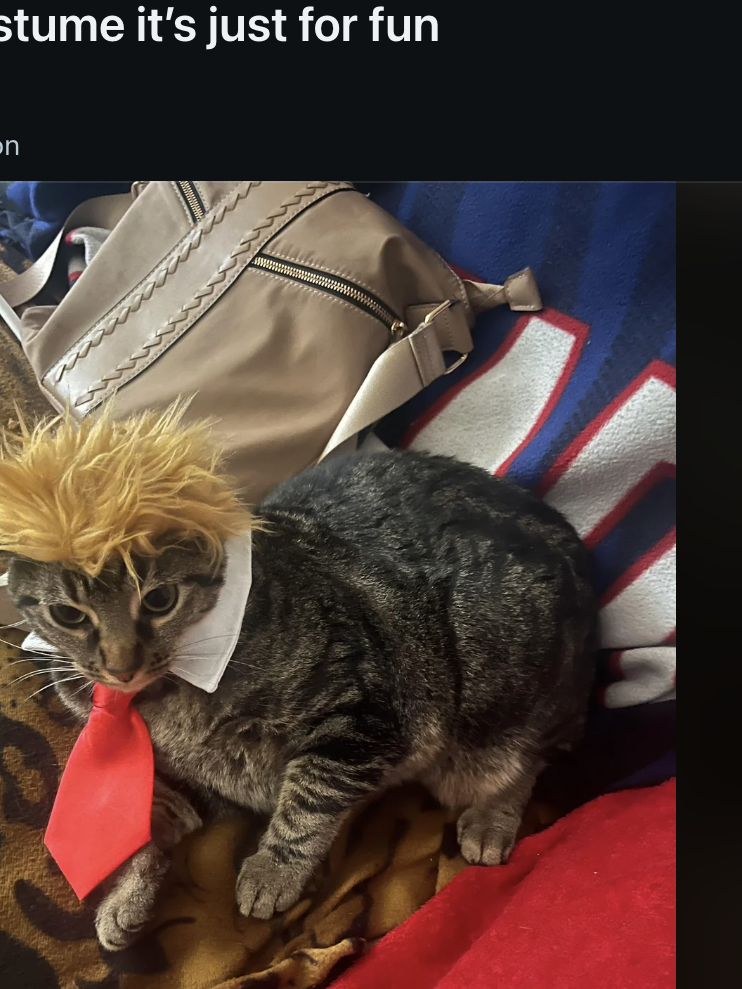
209	643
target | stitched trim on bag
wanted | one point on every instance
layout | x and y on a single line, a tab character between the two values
214	287
177	249
212	219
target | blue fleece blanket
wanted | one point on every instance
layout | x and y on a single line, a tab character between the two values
578	403
35	211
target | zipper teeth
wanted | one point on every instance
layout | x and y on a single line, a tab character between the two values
321	280
191	197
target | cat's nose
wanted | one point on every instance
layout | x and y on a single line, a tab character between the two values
123	677
121	660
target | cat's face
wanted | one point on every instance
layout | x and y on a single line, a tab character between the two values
112	633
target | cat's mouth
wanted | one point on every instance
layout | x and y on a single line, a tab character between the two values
133	687
138	681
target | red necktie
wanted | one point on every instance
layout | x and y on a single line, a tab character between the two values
103	809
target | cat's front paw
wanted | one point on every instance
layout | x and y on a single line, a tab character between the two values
119	921
124	911
265	887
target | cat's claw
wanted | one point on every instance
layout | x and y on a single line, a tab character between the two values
265	887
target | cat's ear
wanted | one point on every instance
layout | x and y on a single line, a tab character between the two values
6	559
20	568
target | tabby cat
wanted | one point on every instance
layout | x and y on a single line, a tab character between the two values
410	617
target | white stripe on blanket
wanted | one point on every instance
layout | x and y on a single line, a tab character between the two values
603	474
649	677
486	422
639	436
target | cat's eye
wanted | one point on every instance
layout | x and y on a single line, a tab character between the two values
67	616
161	600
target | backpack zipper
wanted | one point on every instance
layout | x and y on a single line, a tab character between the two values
192	200
333	285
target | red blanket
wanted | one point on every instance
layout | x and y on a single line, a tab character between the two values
587	904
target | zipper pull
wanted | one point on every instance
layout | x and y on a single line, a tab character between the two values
397	330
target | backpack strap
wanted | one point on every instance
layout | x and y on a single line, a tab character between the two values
409	365
102	211
402	371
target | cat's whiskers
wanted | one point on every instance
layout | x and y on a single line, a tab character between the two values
23	621
225	635
16	645
88	683
189	658
41	659
38	673
195	655
13	645
54	683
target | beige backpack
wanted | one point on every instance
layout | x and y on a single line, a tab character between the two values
298	313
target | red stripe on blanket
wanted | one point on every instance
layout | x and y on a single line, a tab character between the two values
657	369
661	472
639	567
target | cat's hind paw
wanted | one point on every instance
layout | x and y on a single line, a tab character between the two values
486	838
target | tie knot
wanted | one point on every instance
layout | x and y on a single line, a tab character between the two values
108	699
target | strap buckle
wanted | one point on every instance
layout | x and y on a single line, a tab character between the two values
456	364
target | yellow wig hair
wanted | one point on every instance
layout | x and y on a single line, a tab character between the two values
83	493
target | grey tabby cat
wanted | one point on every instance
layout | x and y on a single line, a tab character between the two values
410	617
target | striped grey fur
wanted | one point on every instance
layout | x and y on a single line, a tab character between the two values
410	618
